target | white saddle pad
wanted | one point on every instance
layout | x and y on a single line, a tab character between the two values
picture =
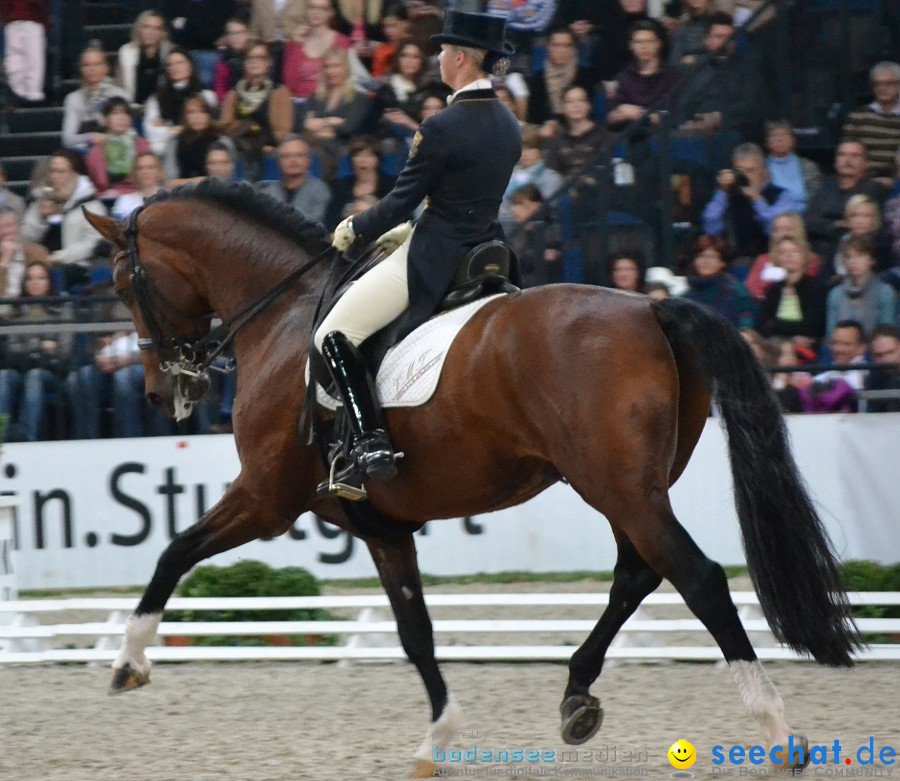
411	369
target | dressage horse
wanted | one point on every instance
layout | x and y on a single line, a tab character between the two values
607	391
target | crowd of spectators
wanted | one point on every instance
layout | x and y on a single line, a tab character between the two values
316	102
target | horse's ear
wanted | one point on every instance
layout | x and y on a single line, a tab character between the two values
110	229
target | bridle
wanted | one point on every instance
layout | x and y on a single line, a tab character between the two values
191	359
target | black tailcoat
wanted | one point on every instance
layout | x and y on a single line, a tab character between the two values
461	159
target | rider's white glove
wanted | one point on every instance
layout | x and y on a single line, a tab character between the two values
392	240
344	235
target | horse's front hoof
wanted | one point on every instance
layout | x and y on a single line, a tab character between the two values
581	718
127	678
781	753
422	768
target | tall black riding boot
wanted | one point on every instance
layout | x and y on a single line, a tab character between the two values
371	455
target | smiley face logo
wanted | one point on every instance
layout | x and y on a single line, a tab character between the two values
682	754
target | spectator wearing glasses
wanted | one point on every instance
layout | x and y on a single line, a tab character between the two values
877	126
256	114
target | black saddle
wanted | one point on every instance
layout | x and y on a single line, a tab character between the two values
484	271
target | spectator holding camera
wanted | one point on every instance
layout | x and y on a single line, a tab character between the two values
56	218
746	202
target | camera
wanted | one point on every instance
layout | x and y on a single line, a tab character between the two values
740	179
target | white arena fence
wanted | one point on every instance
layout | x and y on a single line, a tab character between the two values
372	634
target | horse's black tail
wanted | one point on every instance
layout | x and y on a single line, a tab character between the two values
791	561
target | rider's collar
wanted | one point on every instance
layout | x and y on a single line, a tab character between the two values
477	84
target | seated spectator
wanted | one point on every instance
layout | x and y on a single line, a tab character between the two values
745	204
15	254
32	362
165	107
220	162
884	347
360	21
187	155
148	177
547	87
877	126
115	376
790	386
401	92
724	92
109	164
824	216
56	219
711	285
799	176
863	218
394	29
337	111
9	199
513	93
197	28
765	269
626	271
366	178
535	241
648	82
588	21
433	100
794	306
860	296
307	47
83	108
140	63
617	23
230	67
273	22
577	141
848	347
25	25
690	30
299	188
531	169
256	114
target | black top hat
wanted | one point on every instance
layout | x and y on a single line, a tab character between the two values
480	31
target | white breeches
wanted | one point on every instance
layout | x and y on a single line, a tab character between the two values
370	303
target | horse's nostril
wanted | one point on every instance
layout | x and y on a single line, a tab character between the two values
155	399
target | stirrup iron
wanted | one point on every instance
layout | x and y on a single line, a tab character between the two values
346	491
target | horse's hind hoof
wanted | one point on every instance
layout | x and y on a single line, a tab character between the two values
790	768
581	718
127	678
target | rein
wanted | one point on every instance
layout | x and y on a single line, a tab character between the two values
194	358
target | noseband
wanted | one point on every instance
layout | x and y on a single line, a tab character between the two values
181	357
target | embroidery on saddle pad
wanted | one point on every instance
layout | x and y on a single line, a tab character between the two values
410	370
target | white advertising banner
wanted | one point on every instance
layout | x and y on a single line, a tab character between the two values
98	514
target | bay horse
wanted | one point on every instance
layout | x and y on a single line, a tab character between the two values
607	391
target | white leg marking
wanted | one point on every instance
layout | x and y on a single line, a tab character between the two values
762	700
139	633
443	731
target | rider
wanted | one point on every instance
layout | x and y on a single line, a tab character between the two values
461	160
